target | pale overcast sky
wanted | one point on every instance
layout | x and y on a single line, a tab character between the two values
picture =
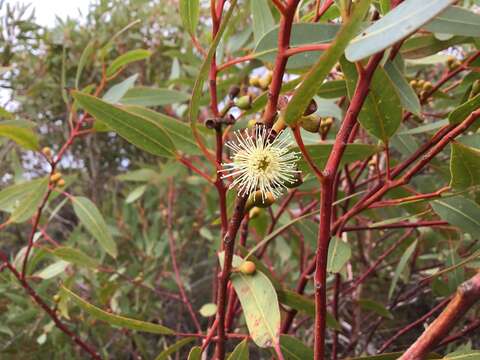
47	9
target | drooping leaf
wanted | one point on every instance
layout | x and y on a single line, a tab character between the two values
381	114
116	92
75	256
140	131
464	166
180	133
240	352
29	205
165	354
145	96
52	270
399	23
464	110
135	194
84	59
127	58
339	253
116	320
262	18
317	74
92	219
259	304
401	266
19	132
455	20
460	212
190	12
195	353
12	196
407	95
294	349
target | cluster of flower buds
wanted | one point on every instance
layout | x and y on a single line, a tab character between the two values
316	124
421	87
261	82
57	180
453	63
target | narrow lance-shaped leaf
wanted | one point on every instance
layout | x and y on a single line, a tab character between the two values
401	266
464	166
116	320
145	96
294	349
84	58
17	131
140	131
262	18
127	58
464	110
456	20
29	205
315	77
189	12
339	252
93	221
407	95
240	352
459	211
75	256
259	303
399	23
165	354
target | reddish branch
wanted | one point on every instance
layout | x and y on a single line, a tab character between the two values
467	295
229	247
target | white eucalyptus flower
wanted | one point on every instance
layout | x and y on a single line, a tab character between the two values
259	163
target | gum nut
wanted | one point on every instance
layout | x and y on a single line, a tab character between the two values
247	268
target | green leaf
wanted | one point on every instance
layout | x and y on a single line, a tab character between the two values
240	352
425	128
389	356
421	46
464	110
29	205
376	307
190	12
294	349
464	166
75	256
381	115
339	253
53	270
460	212
398	24
195	353
17	131
127	58
12	196
84	58
135	194
208	310
353	152
140	131
302	34
259	303
407	95
471	355
165	354
456	20
116	320
180	133
333	89
116	92
93	221
262	18
317	74
401	266
145	96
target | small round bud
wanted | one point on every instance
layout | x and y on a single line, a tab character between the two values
247	268
311	108
56	298
61	183
326	122
47	152
265	81
427	86
310	123
451	60
234	91
251	123
420	83
243	102
254	81
258	200
55	177
413	83
254	212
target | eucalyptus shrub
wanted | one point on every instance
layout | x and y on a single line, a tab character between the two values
247	179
